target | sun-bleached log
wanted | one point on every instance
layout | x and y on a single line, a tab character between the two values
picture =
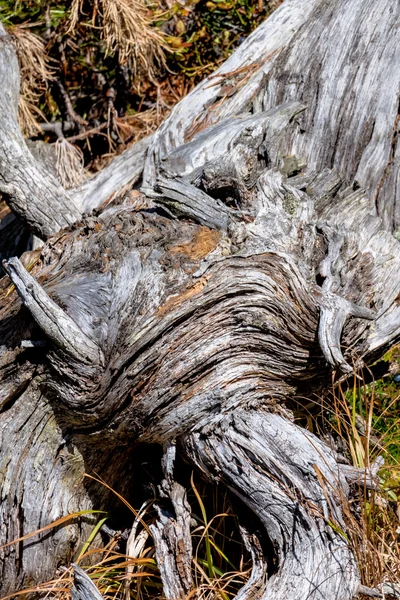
265	254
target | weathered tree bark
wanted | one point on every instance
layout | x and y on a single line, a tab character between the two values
263	254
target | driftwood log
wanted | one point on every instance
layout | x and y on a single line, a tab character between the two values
204	279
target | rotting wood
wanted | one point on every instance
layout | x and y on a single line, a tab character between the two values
197	316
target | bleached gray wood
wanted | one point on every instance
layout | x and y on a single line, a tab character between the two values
124	170
363	477
386	590
30	190
255	586
84	588
262	458
171	533
54	322
186	200
41	480
264	257
259	48
258	131
351	91
334	312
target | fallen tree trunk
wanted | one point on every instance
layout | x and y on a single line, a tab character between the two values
262	255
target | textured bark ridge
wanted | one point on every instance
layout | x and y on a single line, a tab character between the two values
248	248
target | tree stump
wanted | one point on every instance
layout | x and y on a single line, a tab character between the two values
204	279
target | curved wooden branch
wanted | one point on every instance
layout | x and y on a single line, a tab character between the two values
334	313
229	154
291	481
385	590
122	172
54	322
186	200
363	477
30	190
254	588
171	534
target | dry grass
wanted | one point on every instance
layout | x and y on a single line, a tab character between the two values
372	516
126	569
127	29
35	74
70	163
362	428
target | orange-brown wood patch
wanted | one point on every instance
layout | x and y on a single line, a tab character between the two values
204	242
177	299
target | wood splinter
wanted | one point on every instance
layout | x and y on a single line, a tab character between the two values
171	534
364	477
53	320
386	590
256	584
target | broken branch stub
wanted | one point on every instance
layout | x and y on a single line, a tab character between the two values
171	533
52	319
334	312
83	588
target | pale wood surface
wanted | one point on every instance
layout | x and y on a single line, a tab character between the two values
258	256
